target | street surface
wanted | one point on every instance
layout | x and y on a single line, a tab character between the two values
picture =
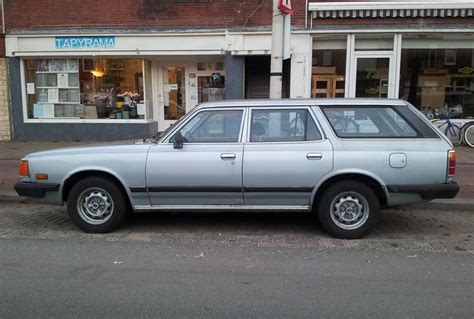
417	264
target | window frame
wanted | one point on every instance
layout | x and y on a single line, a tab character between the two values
309	110
419	134
166	139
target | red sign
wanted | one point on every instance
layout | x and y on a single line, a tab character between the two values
285	6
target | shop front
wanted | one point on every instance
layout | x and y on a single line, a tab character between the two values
431	66
109	87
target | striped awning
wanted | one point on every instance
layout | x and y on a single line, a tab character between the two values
405	9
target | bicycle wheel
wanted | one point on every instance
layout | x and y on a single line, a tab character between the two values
453	132
468	134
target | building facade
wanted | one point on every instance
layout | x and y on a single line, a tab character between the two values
132	68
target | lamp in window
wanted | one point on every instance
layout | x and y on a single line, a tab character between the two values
99	70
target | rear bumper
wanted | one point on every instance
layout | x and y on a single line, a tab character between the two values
428	191
37	190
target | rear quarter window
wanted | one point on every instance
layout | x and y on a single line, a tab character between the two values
376	122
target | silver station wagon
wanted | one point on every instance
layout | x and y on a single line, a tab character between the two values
342	159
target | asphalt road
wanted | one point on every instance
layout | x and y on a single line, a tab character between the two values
97	278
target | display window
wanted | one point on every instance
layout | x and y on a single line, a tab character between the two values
438	79
85	88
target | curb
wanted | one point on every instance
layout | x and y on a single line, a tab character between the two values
12	197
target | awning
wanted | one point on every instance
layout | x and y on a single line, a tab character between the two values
392	9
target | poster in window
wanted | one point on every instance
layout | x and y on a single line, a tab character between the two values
73	79
52	80
48	110
42	79
74	95
56	65
53	95
43	95
62	80
450	57
72	65
63	95
58	110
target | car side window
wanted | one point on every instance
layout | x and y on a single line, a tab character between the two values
367	121
219	126
283	125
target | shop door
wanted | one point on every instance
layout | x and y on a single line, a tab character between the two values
174	96
372	75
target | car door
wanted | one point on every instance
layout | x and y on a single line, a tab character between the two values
284	157
207	170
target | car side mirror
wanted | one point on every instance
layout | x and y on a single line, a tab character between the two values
178	140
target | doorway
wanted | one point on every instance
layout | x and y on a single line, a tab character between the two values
373	75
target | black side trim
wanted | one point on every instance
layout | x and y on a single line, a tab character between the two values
210	189
278	189
428	191
195	189
35	189
276	74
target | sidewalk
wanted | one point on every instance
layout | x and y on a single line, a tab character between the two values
12	152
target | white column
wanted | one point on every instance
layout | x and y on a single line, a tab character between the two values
301	60
276	66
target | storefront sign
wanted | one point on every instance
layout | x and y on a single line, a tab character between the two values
84	42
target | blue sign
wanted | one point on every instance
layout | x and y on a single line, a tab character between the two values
84	42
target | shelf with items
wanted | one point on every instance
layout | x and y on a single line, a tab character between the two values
57	89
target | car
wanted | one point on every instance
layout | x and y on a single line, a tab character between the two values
341	159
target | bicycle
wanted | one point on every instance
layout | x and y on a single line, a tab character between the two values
468	133
452	131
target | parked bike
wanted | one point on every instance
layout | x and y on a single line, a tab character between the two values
451	130
467	131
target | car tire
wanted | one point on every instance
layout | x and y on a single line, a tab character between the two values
348	209
97	205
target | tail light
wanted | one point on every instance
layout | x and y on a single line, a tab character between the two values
23	169
451	163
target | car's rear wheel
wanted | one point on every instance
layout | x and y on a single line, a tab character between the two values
349	209
97	205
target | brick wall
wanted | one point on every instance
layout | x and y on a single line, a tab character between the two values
166	14
172	14
5	133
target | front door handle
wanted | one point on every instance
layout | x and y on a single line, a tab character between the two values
228	156
314	156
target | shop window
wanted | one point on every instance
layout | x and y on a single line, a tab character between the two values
64	89
211	88
328	73
439	79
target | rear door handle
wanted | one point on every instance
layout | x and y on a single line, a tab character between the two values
314	156
228	156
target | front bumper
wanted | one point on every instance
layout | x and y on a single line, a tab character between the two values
428	191
37	190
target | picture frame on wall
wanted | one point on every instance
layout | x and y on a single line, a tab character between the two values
450	57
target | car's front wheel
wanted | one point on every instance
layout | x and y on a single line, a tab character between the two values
349	209
96	205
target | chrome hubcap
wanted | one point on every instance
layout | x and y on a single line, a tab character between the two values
349	210
95	206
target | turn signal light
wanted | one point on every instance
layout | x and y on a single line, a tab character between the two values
23	169
41	176
451	163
